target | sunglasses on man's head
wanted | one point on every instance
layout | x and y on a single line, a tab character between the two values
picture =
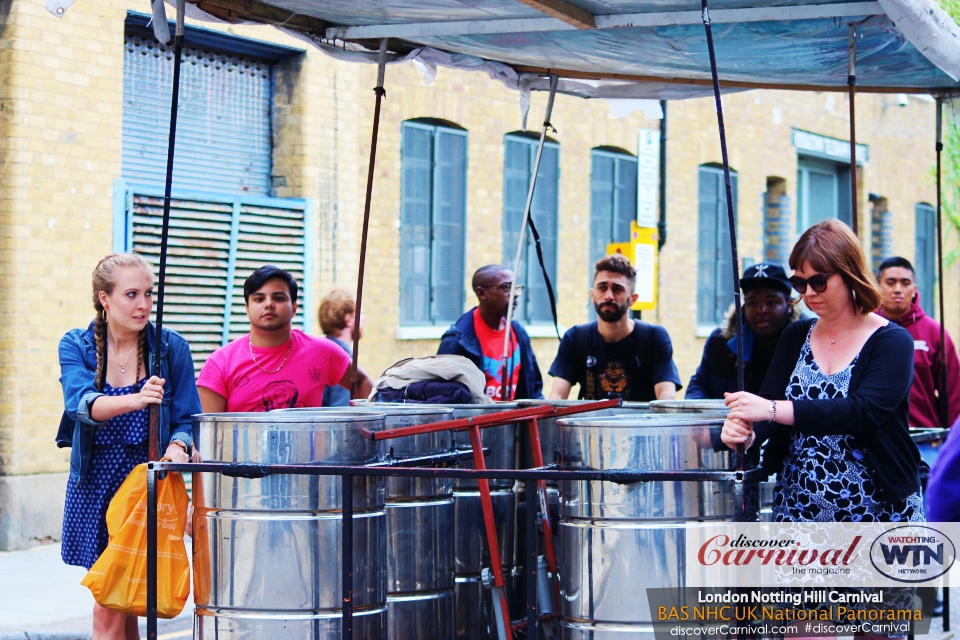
818	283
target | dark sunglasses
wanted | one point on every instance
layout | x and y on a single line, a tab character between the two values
818	283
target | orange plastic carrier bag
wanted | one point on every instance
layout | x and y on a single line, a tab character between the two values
118	579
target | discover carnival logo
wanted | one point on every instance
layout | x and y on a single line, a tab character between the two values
912	553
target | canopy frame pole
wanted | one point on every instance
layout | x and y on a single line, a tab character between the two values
942	355
504	375
380	93
732	224
154	421
154	413
852	92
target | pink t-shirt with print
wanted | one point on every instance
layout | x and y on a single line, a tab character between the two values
313	364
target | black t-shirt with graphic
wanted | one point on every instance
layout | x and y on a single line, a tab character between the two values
627	369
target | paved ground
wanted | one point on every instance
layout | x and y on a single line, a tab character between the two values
41	598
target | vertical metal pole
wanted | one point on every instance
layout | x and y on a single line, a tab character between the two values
523	235
662	222
946	608
151	553
544	499
379	91
942	355
533	610
731	222
346	555
852	92
490	525
154	413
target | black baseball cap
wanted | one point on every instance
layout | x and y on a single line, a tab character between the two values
765	275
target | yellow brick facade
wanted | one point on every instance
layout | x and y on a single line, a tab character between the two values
61	85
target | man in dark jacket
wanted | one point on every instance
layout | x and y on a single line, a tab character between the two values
479	336
766	312
901	304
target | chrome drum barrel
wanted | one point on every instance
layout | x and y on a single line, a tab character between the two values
267	559
420	518
617	540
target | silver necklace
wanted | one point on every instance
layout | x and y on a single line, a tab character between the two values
123	365
254	358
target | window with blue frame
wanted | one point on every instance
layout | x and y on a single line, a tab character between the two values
223	224
714	267
520	150
613	202
433	216
925	256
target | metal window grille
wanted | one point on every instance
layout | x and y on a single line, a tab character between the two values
224	137
519	157
216	241
433	213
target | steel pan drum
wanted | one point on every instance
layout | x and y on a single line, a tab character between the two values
420	517
618	540
267	559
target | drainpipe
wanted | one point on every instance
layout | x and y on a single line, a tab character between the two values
662	222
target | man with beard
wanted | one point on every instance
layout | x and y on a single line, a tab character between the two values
766	313
274	366
478	336
615	357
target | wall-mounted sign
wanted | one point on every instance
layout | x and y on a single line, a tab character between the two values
820	146
642	252
648	177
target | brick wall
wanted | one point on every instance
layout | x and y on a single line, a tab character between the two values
60	140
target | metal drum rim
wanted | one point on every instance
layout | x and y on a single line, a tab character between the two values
289	417
647	421
693	405
422	410
498	406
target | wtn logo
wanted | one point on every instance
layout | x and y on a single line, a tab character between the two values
912	553
899	553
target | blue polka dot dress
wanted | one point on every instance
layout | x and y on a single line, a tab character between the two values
119	446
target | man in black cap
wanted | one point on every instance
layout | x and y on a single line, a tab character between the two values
766	312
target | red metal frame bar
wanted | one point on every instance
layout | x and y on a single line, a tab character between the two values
551	552
500	418
496	419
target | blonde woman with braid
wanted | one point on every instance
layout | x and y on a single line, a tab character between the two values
107	390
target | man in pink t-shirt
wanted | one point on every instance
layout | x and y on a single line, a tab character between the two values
274	366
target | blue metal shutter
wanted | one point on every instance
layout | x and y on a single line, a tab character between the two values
223	124
416	188
708	198
519	156
449	224
516	175
270	231
925	256
724	273
544	213
625	203
602	170
215	242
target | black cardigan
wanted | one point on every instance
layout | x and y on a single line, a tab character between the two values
874	411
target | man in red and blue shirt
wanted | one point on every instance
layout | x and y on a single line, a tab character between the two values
479	336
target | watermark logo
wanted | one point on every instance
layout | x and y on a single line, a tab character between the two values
912	553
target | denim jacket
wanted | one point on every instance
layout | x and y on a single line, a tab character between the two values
78	367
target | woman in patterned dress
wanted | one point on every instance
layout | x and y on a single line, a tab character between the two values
107	392
835	396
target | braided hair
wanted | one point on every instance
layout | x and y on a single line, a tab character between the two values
105	277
